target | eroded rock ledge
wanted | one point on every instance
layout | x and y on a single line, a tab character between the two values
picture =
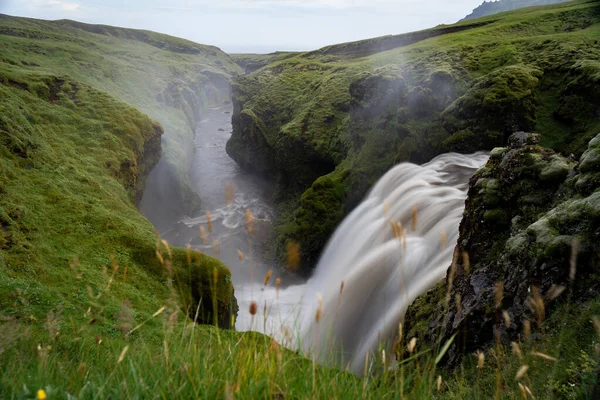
531	225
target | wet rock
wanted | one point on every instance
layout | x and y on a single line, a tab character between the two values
527	211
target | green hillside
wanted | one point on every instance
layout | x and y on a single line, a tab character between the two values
170	79
325	125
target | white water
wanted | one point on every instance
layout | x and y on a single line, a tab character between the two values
381	277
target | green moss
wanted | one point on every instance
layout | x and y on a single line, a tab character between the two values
73	168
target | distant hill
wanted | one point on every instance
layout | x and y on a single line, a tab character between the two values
494	7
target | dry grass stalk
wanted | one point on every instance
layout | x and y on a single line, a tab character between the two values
240	255
522	390
439	383
319	312
466	259
249	221
209	221
293	255
229	193
160	311
596	322
521	372
536	304
499	294
527	329
277	285
203	235
529	391
543	356
554	292
383	358
412	345
268	277
573	260
506	317
414	219
480	359
443	239
458	300
342	287
216	248
122	355
517	350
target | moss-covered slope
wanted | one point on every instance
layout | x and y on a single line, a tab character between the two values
170	79
351	111
73	163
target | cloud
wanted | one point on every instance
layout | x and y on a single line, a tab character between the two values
55	5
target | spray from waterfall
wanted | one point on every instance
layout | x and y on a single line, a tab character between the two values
393	247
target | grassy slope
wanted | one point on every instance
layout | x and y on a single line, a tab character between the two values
354	117
168	78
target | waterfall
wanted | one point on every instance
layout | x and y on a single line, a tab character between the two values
383	270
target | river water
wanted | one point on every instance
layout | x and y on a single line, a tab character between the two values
380	269
226	192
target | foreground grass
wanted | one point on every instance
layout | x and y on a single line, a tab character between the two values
190	361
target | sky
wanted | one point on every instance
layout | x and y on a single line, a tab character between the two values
258	26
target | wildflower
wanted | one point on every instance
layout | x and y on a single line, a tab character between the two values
41	394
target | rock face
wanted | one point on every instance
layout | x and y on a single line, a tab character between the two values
495	7
531	228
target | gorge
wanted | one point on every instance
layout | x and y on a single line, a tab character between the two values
356	221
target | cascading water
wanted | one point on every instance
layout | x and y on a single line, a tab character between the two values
383	271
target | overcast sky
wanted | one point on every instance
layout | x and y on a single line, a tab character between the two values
255	25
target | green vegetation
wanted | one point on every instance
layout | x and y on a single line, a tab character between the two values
353	110
170	79
79	265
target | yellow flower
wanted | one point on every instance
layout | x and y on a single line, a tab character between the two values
41	394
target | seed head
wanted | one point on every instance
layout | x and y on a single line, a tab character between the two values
439	383
319	312
203	234
277	285
268	277
517	350
412	345
521	372
293	255
466	262
209	221
414	218
229	193
480	359
249	221
253	308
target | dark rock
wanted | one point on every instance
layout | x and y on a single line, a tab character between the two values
525	210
